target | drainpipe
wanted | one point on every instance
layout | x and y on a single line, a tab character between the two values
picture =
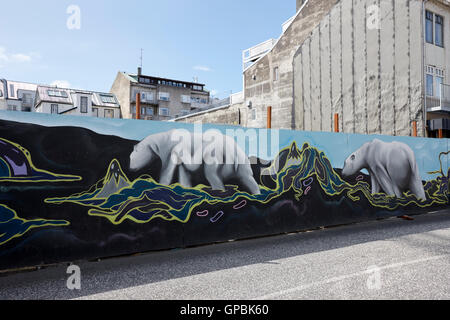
424	80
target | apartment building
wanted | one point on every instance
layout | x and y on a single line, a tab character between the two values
76	102
161	98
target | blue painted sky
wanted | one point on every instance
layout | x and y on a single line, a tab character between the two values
181	39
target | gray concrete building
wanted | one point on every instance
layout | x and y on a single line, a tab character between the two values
381	65
161	99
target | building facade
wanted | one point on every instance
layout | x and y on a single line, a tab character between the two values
76	102
161	99
17	96
30	97
382	66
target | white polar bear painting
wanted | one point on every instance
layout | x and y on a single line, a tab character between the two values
216	156
392	167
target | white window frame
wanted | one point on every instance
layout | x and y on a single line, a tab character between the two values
57	93
161	113
435	73
147	97
164	96
105	98
186	99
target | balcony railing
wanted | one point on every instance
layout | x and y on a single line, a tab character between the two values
440	102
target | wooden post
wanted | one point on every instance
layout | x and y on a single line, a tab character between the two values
441	134
138	106
336	122
269	117
414	124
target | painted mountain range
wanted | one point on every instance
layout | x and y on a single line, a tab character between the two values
143	200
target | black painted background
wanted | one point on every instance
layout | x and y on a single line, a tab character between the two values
77	151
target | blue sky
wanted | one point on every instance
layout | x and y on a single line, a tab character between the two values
181	39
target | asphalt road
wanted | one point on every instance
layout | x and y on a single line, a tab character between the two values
390	259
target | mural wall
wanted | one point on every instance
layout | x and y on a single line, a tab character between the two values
82	188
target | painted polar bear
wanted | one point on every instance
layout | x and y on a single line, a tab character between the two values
217	155
392	168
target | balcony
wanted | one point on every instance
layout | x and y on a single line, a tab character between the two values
250	56
441	102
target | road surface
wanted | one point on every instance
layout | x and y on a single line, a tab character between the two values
390	259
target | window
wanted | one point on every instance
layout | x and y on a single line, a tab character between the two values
11	91
83	104
57	93
430	90
439	31
107	99
253	115
150	111
164	96
164	112
26	98
54	109
147	96
133	110
429	27
12	108
185	99
439	82
109	113
435	79
197	87
95	112
275	74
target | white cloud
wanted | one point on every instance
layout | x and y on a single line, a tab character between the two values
5	56
61	84
20	57
203	68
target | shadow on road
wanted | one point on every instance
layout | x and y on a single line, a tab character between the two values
126	272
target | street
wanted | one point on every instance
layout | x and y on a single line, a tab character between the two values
389	259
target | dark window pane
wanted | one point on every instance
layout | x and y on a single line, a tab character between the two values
430	90
429	27
439	30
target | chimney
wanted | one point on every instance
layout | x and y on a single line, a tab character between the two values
139	71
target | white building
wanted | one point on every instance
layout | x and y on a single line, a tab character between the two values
76	102
17	96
